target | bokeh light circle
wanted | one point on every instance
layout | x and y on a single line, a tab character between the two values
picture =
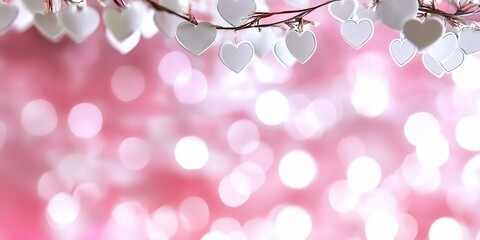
127	83
293	223
381	226
191	87
364	174
272	108
243	136
63	208
297	169
134	153
191	152
85	120
39	117
467	133
445	229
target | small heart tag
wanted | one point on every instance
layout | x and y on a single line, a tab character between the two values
443	47
301	45
282	54
402	51
396	12
196	39
469	40
236	11
126	45
236	56
79	24
364	12
168	23
47	24
432	65
343	10
262	41
454	60
8	15
423	34
357	34
122	23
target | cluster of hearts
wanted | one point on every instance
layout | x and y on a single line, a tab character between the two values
442	51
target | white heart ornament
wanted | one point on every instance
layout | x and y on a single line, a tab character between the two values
423	34
432	65
357	34
364	12
394	13
79	24
443	47
47	24
469	40
122	22
263	40
168	23
24	20
8	15
301	45
235	56
282	54
126	45
35	6
453	61
402	52
235	12
343	10
196	38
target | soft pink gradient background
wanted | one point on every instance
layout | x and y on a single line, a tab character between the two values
66	74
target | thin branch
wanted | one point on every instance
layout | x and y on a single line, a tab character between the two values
253	20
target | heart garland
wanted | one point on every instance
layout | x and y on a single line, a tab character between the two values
442	52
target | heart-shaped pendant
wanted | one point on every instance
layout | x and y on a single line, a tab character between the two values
432	65
454	60
357	34
282	54
402	51
236	12
8	15
196	38
395	13
469	40
443	47
423	34
301	45
343	10
122	22
168	23
47	24
125	46
79	24
262	40
236	56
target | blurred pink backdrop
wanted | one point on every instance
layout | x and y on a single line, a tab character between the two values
162	144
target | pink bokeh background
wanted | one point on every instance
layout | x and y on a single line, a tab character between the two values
91	141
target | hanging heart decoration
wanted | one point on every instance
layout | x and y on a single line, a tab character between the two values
282	54
357	34
402	51
454	60
122	23
301	45
48	25
343	10
79	24
196	38
394	13
236	56
423	34
469	40
236	12
443	47
432	65
8	15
